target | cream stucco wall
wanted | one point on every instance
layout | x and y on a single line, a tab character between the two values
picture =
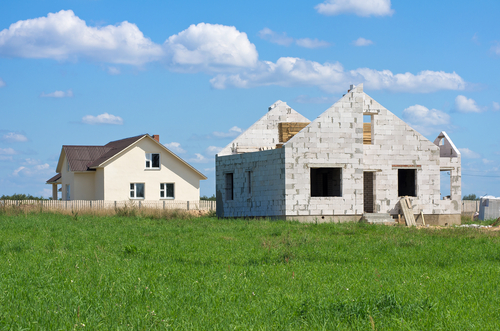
67	178
99	184
129	168
84	186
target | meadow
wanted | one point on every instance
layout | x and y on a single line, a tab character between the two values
136	272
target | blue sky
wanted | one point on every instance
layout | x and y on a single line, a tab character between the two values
85	72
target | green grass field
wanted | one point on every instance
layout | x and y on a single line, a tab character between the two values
63	272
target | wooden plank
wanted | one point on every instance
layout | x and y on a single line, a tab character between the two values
407	211
422	215
287	130
367	133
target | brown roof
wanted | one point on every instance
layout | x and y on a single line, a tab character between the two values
54	179
113	148
80	157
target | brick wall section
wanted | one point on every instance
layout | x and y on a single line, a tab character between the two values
368	191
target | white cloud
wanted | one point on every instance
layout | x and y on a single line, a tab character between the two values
332	77
46	192
464	105
175	147
496	106
486	161
363	8
275	37
233	132
212	150
495	49
362	42
7	151
102	119
283	40
475	39
2	83
468	154
114	71
39	169
199	159
64	36
425	120
31	161
312	43
210	47
57	94
14	137
307	99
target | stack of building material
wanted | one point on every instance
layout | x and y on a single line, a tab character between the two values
289	129
407	209
367	133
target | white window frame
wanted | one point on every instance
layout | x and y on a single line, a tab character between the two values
164	190
149	161
133	189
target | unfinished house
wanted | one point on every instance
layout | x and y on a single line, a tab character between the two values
356	160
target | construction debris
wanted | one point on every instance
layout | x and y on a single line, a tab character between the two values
407	209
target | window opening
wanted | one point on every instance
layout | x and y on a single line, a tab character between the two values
249	182
137	190
167	190
367	129
445	185
68	192
229	186
326	182
152	160
407	179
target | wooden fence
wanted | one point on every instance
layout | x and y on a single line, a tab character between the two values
468	206
103	204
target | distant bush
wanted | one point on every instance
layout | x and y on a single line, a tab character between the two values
470	197
204	197
20	197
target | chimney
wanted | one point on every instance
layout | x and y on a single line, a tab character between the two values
156	137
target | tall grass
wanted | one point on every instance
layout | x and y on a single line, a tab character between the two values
145	272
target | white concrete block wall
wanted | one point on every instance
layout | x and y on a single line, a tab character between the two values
267	197
264	132
335	139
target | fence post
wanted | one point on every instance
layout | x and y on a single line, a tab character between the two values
139	204
163	204
187	205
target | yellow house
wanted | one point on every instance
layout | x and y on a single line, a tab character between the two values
135	168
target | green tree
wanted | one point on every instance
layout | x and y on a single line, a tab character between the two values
470	197
17	196
204	197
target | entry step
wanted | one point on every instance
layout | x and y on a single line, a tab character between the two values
378	218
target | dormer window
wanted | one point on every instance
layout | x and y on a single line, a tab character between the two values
152	161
